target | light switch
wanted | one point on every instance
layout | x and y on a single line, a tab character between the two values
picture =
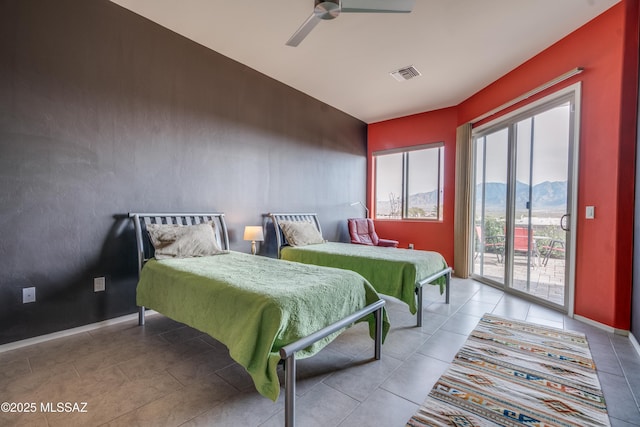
590	212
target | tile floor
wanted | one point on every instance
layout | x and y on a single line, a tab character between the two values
166	374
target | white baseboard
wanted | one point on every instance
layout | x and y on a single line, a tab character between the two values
68	332
602	326
635	343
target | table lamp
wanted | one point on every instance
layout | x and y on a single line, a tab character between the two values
253	233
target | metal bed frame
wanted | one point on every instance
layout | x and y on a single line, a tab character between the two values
288	352
313	218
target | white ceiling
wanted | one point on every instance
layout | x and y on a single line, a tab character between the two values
459	46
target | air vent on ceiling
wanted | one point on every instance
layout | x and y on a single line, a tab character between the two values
405	73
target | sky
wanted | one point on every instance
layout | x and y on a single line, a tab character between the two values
550	152
423	172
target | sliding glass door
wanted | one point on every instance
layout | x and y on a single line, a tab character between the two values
522	202
491	177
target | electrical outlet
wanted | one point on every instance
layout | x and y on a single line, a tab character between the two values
98	284
410	245
28	295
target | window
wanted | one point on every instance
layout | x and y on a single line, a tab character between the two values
408	183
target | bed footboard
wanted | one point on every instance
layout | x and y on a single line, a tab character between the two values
288	352
447	277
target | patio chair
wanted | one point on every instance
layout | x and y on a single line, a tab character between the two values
489	244
550	247
523	243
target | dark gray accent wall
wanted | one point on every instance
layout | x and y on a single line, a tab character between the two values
103	112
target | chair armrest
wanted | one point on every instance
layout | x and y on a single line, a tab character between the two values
388	243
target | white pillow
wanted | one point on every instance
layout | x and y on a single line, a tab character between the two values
301	233
183	241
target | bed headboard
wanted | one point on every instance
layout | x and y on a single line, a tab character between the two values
295	217
140	221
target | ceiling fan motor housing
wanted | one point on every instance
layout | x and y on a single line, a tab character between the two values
331	9
327	9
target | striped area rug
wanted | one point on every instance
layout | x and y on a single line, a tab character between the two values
512	373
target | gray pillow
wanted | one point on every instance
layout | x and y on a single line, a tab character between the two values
183	241
301	233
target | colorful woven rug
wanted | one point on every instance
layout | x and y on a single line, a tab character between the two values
512	373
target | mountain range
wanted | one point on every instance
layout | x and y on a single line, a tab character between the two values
548	195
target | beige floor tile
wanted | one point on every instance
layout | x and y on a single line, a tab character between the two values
13	369
238	377
179	335
415	377
162	357
180	406
381	409
191	370
19	419
403	342
244	409
63	350
24	387
363	375
130	396
87	388
322	406
17	354
313	370
117	349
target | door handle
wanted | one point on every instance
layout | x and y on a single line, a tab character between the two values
564	223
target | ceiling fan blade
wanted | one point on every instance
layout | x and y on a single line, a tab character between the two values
303	31
377	6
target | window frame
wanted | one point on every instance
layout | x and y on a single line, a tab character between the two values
404	200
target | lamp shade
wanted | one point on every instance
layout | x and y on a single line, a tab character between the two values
253	233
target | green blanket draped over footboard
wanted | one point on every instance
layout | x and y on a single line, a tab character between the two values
254	305
391	271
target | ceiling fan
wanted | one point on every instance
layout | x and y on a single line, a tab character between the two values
330	9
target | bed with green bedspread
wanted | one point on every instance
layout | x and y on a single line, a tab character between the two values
391	271
254	305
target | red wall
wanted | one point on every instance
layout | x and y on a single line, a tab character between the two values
607	48
434	126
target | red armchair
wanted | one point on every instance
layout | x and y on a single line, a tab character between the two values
362	232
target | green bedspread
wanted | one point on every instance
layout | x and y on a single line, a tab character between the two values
254	305
391	271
